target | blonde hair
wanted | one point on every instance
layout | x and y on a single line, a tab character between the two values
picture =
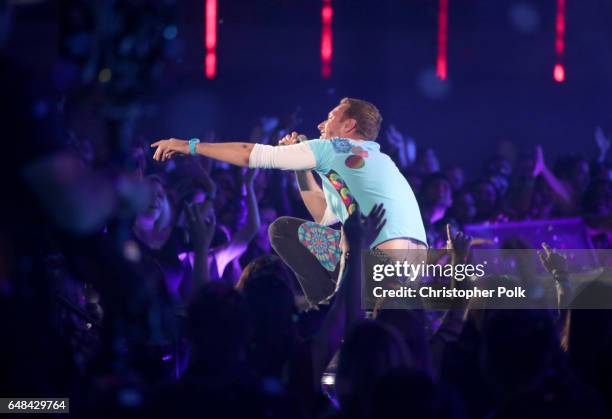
366	114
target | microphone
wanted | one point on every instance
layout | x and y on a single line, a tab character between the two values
300	139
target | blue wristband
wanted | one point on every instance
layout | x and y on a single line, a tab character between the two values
192	145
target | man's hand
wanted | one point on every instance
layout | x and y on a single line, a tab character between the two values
201	223
603	144
363	230
540	165
458	245
552	261
168	148
289	139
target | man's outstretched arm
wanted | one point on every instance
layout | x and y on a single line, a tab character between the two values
295	157
234	153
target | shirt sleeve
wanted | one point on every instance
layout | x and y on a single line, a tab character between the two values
323	153
286	157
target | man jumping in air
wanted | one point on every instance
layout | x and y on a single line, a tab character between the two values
352	170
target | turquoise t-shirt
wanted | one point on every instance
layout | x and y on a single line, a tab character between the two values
358	171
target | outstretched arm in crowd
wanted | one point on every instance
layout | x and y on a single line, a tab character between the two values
458	246
346	310
556	265
562	191
405	147
603	144
238	244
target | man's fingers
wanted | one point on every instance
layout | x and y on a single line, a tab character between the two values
156	143
157	153
544	259
206	207
375	210
168	153
380	209
380	224
547	249
380	227
372	212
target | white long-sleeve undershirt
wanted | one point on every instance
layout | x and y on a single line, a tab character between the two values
287	157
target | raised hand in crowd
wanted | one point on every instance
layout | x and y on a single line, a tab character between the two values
201	223
556	265
405	147
196	178
235	248
603	144
361	230
346	310
540	164
552	261
268	124
561	191
458	244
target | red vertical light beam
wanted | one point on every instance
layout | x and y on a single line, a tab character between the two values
441	62
559	69
327	13
211	39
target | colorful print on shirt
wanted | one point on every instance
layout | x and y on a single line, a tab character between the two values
340	186
341	145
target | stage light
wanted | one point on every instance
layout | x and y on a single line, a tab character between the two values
327	13
441	62
559	70
211	64
211	39
559	73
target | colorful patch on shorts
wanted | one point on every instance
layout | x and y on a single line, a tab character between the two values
323	242
340	186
